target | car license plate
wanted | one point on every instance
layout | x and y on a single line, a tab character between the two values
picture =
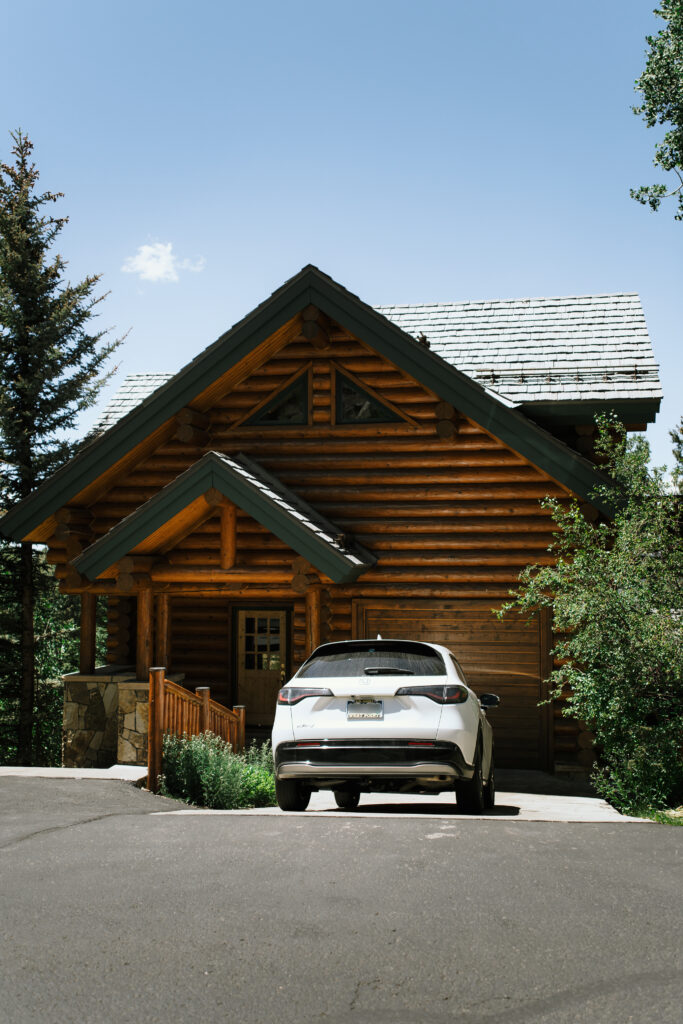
365	709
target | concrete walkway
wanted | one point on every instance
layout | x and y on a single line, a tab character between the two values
121	772
521	796
510	806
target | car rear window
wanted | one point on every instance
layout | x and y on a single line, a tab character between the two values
343	660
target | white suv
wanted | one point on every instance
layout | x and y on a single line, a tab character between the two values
393	716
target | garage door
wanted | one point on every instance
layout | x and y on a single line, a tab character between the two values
502	657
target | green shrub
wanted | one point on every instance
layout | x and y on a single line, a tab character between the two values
616	593
204	770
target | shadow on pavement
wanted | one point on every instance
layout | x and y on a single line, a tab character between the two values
427	809
516	780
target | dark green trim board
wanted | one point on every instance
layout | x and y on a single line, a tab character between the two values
310	285
256	492
635	410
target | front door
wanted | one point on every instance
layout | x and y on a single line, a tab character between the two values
261	661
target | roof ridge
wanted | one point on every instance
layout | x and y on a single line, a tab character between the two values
522	298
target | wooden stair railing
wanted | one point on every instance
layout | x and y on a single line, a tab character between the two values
174	709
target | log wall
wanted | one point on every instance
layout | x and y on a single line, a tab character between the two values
448	510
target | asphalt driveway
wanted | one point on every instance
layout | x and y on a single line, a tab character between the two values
522	795
115	910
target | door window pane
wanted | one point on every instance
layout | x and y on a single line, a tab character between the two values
261	638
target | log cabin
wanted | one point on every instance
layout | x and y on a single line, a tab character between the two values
327	470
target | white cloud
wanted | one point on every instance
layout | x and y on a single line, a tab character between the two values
158	262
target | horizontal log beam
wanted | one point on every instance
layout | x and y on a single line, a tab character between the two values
429	509
459	542
188	434
334	477
193	418
209	574
70	515
484	557
137	563
130	582
442	493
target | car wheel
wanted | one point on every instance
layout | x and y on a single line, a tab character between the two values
470	793
490	787
291	795
347	799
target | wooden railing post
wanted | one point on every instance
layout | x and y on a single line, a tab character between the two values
156	727
241	712
204	712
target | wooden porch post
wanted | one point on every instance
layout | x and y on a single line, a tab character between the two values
143	658
162	632
228	535
87	637
313	618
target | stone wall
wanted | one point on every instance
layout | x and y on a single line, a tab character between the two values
106	718
90	726
133	720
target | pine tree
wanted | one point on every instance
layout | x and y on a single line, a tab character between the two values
51	368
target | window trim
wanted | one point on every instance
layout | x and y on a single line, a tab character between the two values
399	415
245	421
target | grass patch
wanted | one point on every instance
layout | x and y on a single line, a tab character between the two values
204	770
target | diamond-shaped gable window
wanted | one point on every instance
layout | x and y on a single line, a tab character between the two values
289	406
355	405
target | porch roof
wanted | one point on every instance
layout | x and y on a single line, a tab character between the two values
258	493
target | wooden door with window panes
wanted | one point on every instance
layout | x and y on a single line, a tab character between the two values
261	661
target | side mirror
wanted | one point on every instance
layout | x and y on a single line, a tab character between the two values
489	700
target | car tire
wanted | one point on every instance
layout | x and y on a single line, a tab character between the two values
470	793
347	799
490	787
291	795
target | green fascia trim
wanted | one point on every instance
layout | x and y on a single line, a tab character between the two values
568	413
310	285
211	471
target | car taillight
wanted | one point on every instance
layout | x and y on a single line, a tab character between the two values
293	694
439	694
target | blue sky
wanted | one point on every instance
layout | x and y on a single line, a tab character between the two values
437	150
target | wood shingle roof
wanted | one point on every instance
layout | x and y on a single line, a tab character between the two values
577	348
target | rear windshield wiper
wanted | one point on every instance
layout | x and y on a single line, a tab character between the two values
386	670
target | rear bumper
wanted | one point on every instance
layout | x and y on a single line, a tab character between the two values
340	760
